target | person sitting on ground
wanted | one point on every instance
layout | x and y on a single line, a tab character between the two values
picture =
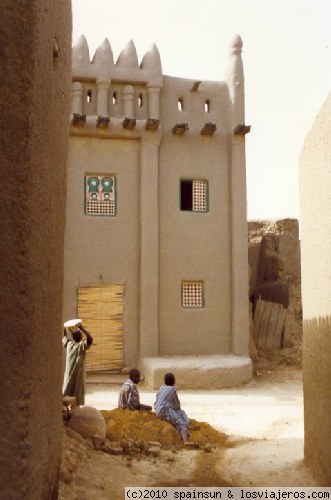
76	347
129	395
167	407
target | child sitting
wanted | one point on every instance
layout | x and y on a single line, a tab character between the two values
129	394
167	407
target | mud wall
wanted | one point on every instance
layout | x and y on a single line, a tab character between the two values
275	265
35	83
317	406
315	208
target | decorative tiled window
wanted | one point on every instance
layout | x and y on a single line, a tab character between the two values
100	194
192	294
194	195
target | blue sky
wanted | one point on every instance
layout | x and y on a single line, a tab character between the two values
287	65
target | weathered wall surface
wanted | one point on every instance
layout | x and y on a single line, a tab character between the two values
315	207
274	260
35	37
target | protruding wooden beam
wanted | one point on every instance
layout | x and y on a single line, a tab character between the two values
78	120
103	121
241	129
129	123
195	86
208	129
180	128
152	124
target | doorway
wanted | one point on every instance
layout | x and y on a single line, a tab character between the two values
101	309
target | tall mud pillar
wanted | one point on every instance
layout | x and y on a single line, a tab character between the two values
239	226
149	247
35	97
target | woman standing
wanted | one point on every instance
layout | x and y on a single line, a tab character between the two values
76	347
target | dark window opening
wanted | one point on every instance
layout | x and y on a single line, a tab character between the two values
207	106
180	105
140	100
114	97
186	195
194	195
89	96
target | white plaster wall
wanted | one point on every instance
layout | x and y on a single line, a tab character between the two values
315	220
315	211
104	249
194	246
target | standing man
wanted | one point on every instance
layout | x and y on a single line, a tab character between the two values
76	346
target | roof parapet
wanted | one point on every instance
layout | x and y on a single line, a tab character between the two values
80	51
104	54
128	57
152	60
126	68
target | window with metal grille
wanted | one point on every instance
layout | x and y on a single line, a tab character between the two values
194	195
100	195
192	294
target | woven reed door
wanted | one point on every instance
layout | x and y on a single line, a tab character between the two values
101	309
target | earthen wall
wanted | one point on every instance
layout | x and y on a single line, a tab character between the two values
35	37
315	209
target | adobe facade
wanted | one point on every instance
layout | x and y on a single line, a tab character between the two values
156	216
315	209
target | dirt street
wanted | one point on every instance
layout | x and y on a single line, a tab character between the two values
263	421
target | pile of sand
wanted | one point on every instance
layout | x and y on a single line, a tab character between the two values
146	426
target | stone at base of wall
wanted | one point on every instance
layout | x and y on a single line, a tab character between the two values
198	372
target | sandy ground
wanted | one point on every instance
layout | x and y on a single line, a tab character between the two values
264	422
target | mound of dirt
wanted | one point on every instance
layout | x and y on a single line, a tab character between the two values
146	426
